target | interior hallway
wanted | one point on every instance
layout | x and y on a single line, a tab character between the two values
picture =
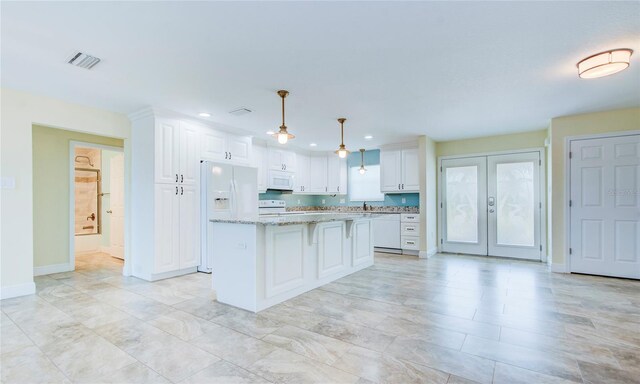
445	319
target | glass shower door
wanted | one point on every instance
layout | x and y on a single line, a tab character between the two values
87	200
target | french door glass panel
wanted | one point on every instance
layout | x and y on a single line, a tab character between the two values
464	188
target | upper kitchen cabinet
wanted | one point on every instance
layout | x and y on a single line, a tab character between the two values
336	175
176	152
302	178
225	147
281	160
317	168
259	161
399	170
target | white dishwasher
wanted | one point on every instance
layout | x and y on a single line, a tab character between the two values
386	231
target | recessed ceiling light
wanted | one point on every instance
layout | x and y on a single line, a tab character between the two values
368	137
313	145
204	114
270	133
604	63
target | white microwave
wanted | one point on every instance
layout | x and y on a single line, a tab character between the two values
280	180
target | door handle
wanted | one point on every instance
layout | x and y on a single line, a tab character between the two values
492	201
109	211
492	210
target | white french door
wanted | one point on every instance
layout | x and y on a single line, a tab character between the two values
491	205
605	206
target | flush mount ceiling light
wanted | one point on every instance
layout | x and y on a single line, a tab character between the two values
283	136
204	114
342	150
604	63
362	169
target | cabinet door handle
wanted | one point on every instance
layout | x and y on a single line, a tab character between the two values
338	188
176	191
402	186
181	191
226	155
399	187
229	155
182	178
176	177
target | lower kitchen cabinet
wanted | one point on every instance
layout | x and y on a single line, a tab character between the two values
332	255
284	259
362	246
397	232
177	230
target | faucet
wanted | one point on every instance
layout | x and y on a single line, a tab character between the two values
364	206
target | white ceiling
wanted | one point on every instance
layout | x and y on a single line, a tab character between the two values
394	70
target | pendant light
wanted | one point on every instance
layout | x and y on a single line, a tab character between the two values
362	169
282	135
342	150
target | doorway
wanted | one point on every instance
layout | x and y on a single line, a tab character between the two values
492	205
97	203
604	206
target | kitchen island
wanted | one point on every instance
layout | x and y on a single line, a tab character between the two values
260	262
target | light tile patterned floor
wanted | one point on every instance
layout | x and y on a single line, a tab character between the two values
454	319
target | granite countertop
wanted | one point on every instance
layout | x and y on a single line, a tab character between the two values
301	218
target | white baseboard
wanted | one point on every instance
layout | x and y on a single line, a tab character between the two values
53	268
559	268
17	290
428	253
113	251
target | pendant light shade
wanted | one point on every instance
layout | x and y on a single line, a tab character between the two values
342	150
604	63
362	169
283	135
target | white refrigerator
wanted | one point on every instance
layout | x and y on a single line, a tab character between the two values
228	192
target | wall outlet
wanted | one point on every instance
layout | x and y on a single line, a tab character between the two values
342	201
404	200
324	201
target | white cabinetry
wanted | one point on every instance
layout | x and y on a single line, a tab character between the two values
282	160
225	147
399	170
332	255
362	246
410	231
336	175
165	205
284	259
259	161
302	177
317	174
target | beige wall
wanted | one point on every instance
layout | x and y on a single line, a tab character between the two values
524	140
20	111
577	125
51	191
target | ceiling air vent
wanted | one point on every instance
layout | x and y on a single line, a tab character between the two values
82	60
240	111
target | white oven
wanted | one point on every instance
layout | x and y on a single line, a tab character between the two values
280	180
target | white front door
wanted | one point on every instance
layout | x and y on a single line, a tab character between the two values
116	200
605	206
491	205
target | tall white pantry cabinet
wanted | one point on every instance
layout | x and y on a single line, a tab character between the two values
166	196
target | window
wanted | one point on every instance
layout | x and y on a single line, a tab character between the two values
365	187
